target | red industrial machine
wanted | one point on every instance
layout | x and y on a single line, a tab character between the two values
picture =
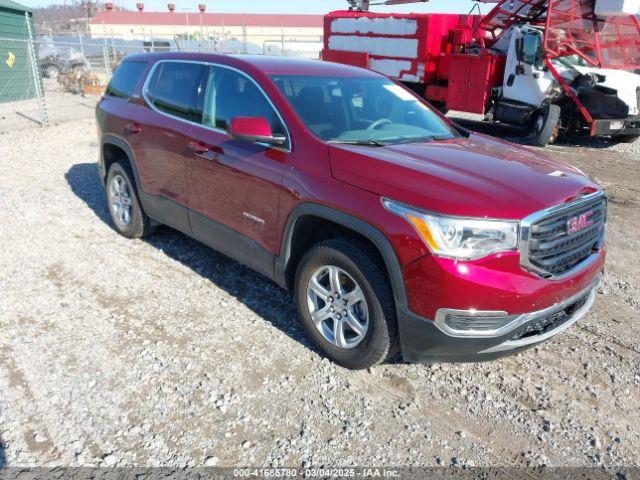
549	66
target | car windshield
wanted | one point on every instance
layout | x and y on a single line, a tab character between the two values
369	111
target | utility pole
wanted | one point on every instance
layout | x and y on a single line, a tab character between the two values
186	13
80	38
282	39
244	37
202	7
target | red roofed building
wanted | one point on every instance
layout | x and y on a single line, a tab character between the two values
257	29
208	19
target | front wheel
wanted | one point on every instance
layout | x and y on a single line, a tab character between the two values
346	304
547	126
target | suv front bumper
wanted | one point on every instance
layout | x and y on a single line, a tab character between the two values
432	341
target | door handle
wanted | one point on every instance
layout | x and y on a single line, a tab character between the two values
198	148
132	128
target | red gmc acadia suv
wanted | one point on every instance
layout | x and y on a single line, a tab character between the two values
395	229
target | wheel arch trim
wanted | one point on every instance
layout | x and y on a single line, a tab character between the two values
351	222
124	146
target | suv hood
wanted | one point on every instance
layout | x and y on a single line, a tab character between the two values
476	176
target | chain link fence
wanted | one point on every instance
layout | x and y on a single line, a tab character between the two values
59	78
21	87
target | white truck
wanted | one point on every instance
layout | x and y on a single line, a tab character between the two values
551	67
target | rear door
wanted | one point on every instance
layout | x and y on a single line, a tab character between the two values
173	94
234	186
114	108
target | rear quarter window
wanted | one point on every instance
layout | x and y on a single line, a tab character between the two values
125	79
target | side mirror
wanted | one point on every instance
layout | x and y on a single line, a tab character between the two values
254	129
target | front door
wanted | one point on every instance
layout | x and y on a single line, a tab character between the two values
234	186
526	79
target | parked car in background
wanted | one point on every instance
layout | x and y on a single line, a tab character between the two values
395	229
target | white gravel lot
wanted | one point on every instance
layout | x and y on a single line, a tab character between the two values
61	107
164	352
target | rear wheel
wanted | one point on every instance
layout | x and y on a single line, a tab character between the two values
127	214
547	126
346	304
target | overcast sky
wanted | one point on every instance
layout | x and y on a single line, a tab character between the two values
278	6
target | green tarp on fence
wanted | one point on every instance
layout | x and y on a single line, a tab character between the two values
16	76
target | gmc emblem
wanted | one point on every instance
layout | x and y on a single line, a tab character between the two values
580	222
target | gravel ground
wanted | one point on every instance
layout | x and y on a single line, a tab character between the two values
163	352
61	107
474	122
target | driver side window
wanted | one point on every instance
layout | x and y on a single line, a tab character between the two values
532	50
231	94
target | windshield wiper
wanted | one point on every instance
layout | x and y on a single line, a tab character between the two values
425	139
366	142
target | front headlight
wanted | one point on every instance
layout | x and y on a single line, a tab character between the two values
457	237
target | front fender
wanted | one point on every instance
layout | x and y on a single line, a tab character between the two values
353	223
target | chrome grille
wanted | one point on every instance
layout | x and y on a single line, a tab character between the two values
549	244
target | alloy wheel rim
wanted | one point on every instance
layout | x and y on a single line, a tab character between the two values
120	200
337	306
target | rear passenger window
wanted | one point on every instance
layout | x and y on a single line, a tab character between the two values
177	89
125	79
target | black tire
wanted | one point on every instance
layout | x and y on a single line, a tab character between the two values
139	225
547	126
360	262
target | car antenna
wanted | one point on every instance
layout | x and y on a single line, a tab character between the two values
177	44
